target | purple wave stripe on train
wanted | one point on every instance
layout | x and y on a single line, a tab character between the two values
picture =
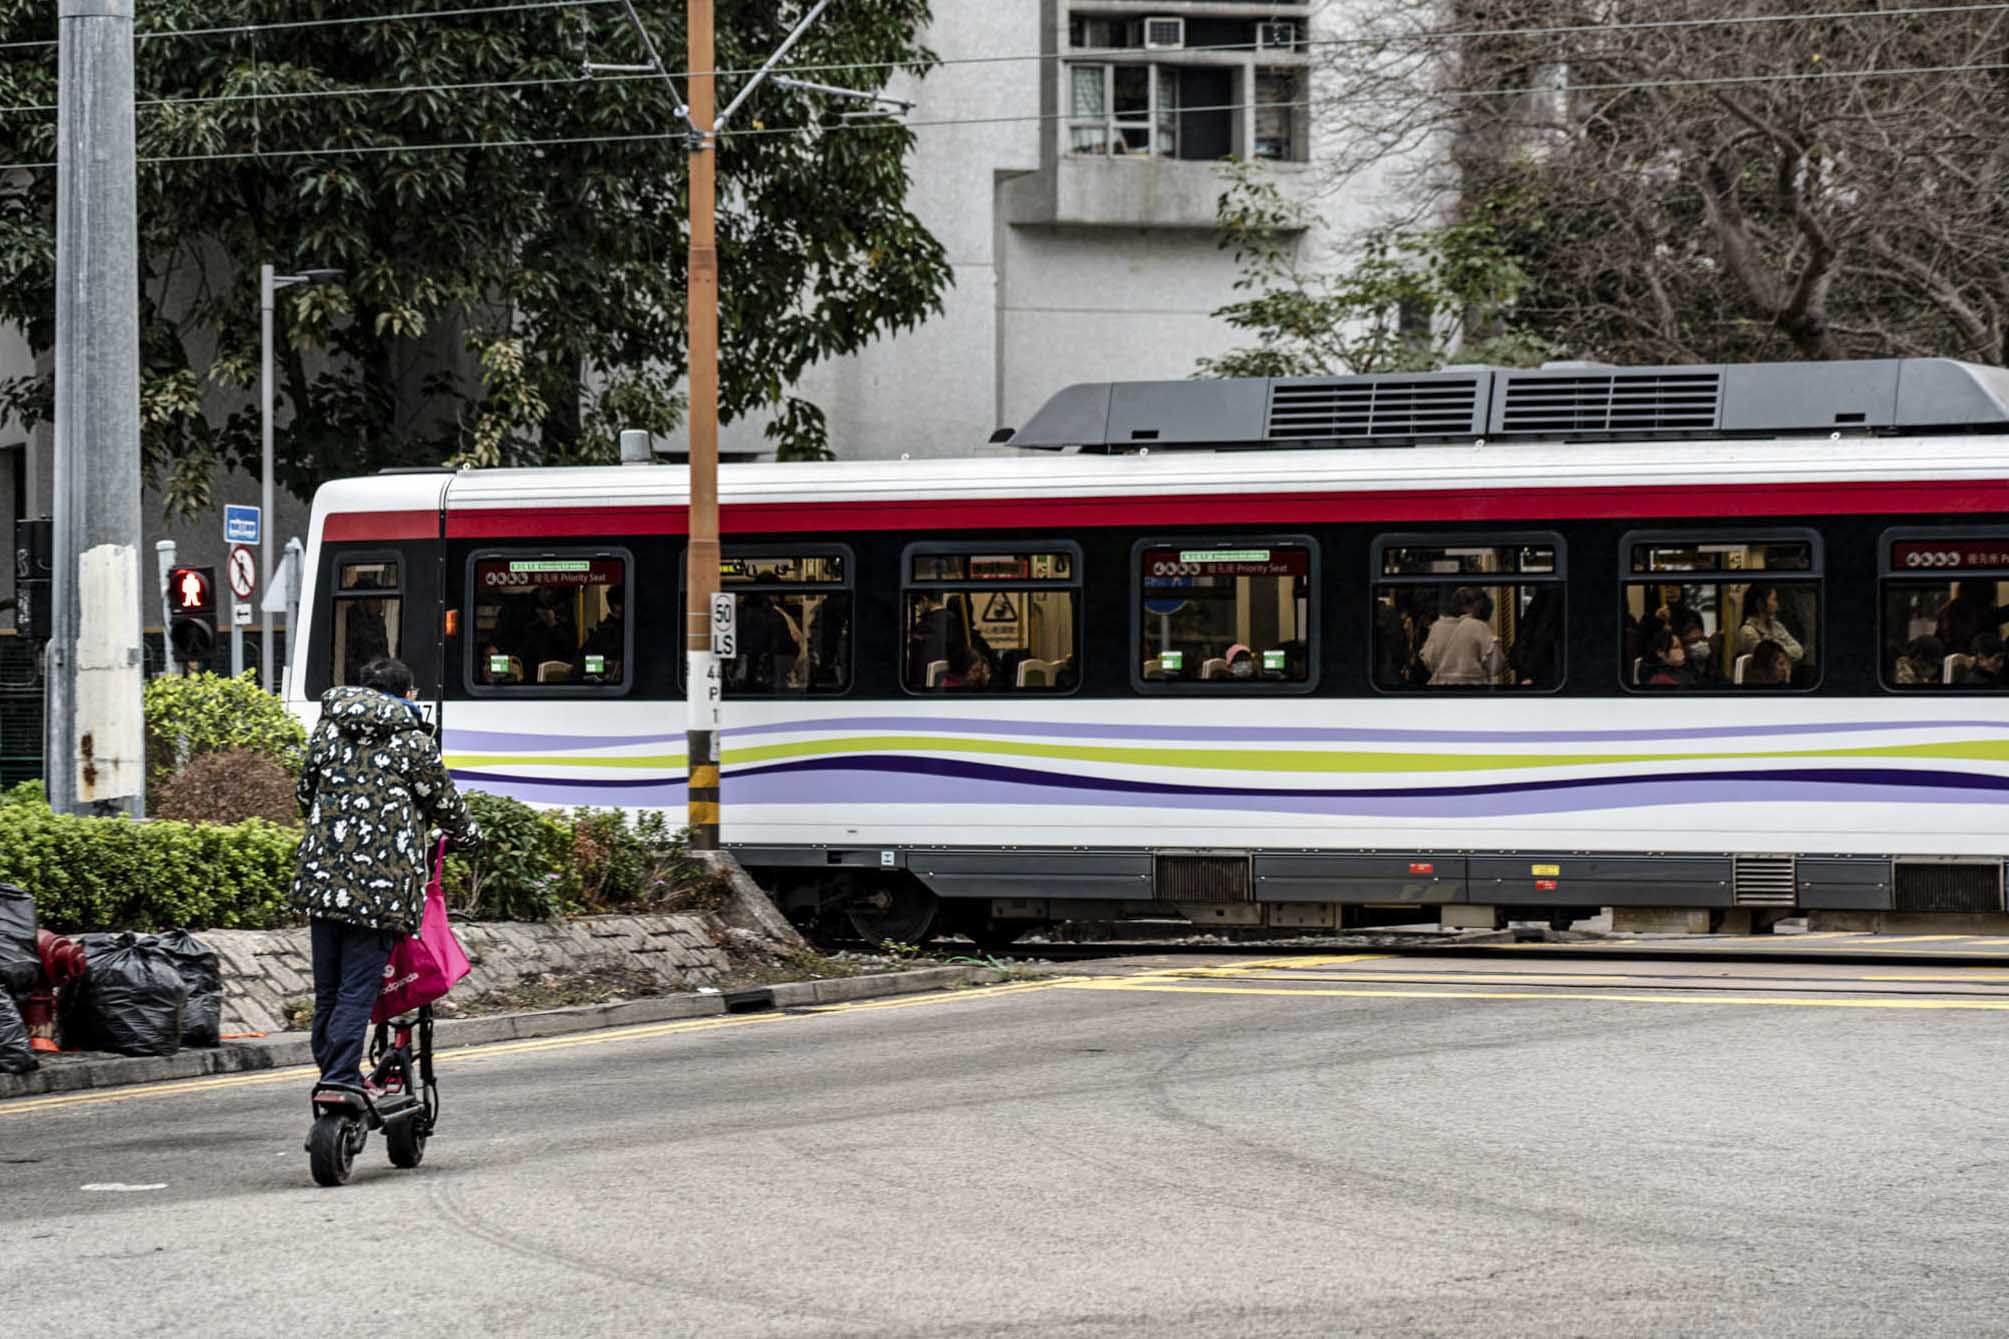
945	781
499	741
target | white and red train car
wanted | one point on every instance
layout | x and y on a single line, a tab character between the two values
1312	652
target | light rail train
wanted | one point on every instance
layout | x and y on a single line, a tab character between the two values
1720	642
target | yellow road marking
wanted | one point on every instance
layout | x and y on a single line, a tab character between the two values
1743	946
1271	964
1799	1002
636	1032
1480	978
1978	942
1916	939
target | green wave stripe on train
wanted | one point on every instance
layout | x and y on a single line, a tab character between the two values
1258	759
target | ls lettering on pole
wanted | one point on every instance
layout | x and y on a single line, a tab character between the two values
725	625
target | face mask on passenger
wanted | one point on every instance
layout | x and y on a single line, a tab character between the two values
1243	668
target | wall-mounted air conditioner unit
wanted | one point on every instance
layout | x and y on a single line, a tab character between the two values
1276	35
1163	34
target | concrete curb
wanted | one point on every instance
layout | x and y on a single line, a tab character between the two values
292	1048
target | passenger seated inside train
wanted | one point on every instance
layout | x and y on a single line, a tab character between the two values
1665	663
1767	666
1986	671
1921	661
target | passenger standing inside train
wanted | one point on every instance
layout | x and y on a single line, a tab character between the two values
1461	650
1761	623
1535	658
1971	612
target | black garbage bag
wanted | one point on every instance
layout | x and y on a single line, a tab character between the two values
16	1056
19	962
130	999
202	971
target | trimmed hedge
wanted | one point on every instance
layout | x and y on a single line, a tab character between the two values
114	874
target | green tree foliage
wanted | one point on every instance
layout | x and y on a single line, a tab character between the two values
506	305
188	716
535	863
1700	181
1411	298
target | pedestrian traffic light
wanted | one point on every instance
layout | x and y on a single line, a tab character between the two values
191	602
34	557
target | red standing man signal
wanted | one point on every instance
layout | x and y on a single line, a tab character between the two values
192	629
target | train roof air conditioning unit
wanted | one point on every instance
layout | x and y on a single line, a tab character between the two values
1161	34
1276	35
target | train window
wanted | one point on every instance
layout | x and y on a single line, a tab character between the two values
368	614
991	619
1721	612
1943	598
1484	612
794	620
1225	615
549	622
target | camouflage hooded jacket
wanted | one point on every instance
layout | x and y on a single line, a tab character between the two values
372	788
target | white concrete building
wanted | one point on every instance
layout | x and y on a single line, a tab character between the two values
1068	156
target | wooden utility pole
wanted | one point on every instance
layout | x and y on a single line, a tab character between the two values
704	121
702	557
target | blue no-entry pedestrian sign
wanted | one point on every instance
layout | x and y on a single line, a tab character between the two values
240	524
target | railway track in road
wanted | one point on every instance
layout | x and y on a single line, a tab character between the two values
1922	950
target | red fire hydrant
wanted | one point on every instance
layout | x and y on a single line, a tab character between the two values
62	963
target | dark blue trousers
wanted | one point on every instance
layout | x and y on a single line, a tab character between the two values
348	972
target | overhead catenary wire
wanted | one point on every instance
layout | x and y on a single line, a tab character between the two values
798	129
1078	54
516	6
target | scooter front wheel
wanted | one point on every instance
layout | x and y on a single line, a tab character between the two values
405	1141
331	1148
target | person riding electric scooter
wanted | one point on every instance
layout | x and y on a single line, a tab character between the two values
373	787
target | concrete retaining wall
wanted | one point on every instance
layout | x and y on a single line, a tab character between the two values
262	969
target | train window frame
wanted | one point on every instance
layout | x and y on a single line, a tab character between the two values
849	585
968	548
1815	575
522	691
1888	539
1496	539
336	596
1314	617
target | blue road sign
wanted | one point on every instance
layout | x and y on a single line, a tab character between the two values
240	525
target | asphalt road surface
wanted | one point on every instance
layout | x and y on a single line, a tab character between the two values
1353	1145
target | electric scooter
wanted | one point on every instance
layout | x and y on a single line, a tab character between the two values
401	1098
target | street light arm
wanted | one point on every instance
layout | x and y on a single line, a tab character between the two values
786	46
